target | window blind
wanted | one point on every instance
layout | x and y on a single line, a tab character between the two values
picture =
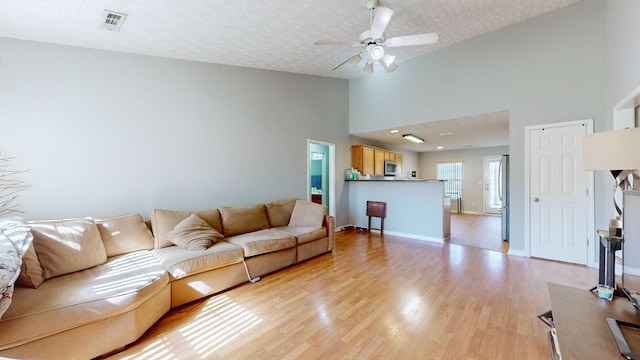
452	173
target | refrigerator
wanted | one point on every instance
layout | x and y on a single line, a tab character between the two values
503	191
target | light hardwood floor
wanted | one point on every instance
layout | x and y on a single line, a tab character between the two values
374	297
481	231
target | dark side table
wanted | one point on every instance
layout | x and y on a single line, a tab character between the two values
608	247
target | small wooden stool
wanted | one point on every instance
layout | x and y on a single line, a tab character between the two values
377	209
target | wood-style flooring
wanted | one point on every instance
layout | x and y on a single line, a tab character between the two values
374	297
481	231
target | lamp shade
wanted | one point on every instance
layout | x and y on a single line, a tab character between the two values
612	150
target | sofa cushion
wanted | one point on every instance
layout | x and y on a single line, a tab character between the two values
304	234
263	241
306	213
180	262
83	297
279	212
65	246
124	234
163	221
193	233
243	219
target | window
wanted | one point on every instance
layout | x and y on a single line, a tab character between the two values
452	173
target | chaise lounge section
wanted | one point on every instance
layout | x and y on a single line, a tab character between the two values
74	304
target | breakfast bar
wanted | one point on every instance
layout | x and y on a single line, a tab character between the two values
416	209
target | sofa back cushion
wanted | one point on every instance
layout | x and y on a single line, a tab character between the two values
279	212
163	221
124	234
65	246
243	219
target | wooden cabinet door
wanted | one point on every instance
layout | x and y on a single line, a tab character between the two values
379	157
367	160
356	157
399	161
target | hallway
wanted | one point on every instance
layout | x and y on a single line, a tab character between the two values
481	231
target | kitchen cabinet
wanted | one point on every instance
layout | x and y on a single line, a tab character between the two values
370	160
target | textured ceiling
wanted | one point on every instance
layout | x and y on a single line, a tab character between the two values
266	34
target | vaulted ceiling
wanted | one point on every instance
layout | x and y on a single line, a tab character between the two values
266	34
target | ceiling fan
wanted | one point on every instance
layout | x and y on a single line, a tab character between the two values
373	42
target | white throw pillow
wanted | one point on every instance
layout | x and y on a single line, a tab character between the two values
15	238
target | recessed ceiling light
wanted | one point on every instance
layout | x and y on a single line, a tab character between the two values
394	131
446	133
439	147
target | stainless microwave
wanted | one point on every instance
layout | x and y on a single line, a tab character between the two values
390	168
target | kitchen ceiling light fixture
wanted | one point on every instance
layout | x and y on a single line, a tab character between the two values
446	133
394	131
415	139
439	147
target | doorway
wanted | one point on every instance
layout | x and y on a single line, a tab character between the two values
559	193
321	174
492	198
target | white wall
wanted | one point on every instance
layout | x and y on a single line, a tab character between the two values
472	183
105	133
545	70
621	52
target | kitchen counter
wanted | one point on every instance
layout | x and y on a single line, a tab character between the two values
416	209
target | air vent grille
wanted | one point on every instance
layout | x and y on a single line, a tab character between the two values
113	20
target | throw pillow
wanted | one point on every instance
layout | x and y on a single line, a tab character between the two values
306	213
15	239
65	246
124	234
193	233
31	272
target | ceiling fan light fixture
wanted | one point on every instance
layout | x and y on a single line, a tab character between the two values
368	68
413	138
388	59
376	51
355	60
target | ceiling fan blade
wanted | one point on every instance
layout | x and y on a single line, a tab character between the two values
354	59
380	22
420	39
336	43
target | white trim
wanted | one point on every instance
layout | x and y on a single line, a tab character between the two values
517	253
332	173
485	160
591	247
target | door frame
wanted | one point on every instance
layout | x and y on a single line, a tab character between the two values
592	256
332	173
485	161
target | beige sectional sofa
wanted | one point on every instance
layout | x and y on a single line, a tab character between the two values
69	303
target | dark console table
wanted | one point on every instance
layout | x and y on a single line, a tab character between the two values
580	319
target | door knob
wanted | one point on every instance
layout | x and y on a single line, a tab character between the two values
535	199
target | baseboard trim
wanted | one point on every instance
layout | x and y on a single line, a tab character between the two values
396	233
520	253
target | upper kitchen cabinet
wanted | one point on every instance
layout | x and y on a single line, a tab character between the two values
370	159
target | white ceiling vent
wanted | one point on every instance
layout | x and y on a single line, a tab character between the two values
112	20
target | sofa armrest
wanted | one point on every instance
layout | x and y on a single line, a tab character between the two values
330	224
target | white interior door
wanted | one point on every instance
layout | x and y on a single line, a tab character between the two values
492	202
558	194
